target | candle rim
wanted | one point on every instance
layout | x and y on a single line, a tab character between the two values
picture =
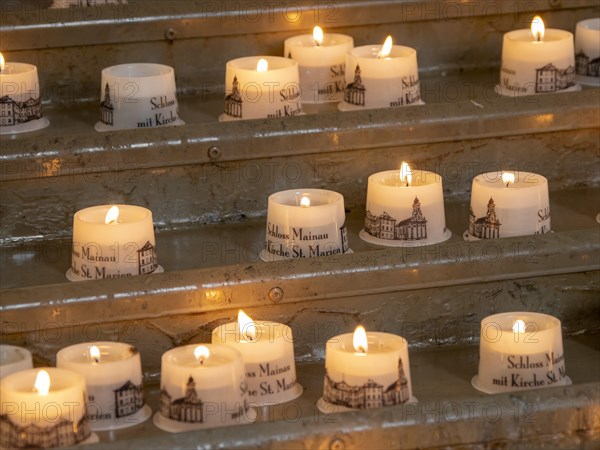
416	182
506	321
592	20
25	68
333	198
520	182
184	355
551	35
373	49
141	212
301	38
72	351
248	63
61	380
344	343
8	350
123	71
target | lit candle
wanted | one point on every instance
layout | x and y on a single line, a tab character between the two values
14	359
112	241
305	223
113	376
202	386
381	76
537	60
139	95
365	370
322	64
44	408
268	352
508	203
20	98
405	208
587	52
520	350
261	87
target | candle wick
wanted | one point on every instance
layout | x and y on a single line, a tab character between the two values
538	36
201	362
507	184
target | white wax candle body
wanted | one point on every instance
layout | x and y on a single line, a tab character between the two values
14	359
56	419
268	358
112	250
254	95
531	67
587	47
138	96
379	377
521	209
20	94
396	212
295	231
215	391
114	383
374	82
322	67
510	361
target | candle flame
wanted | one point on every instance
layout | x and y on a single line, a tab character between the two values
538	28
386	49
95	354
305	202
42	382
318	35
508	178
1	62
519	326
360	340
247	326
405	174
112	215
201	353
262	65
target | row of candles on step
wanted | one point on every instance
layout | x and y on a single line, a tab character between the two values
317	68
98	385
404	208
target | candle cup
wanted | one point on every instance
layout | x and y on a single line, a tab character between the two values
138	95
514	361
373	82
257	95
587	52
380	377
57	419
14	359
269	360
20	99
295	231
322	67
196	396
122	249
115	390
531	67
521	209
405	216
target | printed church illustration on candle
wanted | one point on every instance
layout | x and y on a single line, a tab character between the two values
386	227
355	91
63	433
188	408
551	79
129	399
585	67
486	227
106	108
147	259
369	395
233	101
13	112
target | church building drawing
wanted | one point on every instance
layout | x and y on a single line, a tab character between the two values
585	67
487	227
129	399
355	91
63	433
233	101
387	227
106	107
147	259
551	79
188	408
14	113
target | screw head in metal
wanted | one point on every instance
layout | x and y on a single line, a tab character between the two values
170	34
214	153
276	294
337	444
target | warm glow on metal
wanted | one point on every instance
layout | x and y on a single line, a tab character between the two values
112	215
405	174
508	178
386	49
1	62
538	28
519	326
42	382
95	354
305	202
201	353
360	340
247	326
318	35
262	65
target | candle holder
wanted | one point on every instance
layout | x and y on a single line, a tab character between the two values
44	408
202	386
587	52
14	359
138	95
113	376
373	376
381	82
105	247
322	66
519	351
304	224
20	98
262	91
403	214
501	206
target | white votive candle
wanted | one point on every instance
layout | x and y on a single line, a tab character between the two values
14	359
587	51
